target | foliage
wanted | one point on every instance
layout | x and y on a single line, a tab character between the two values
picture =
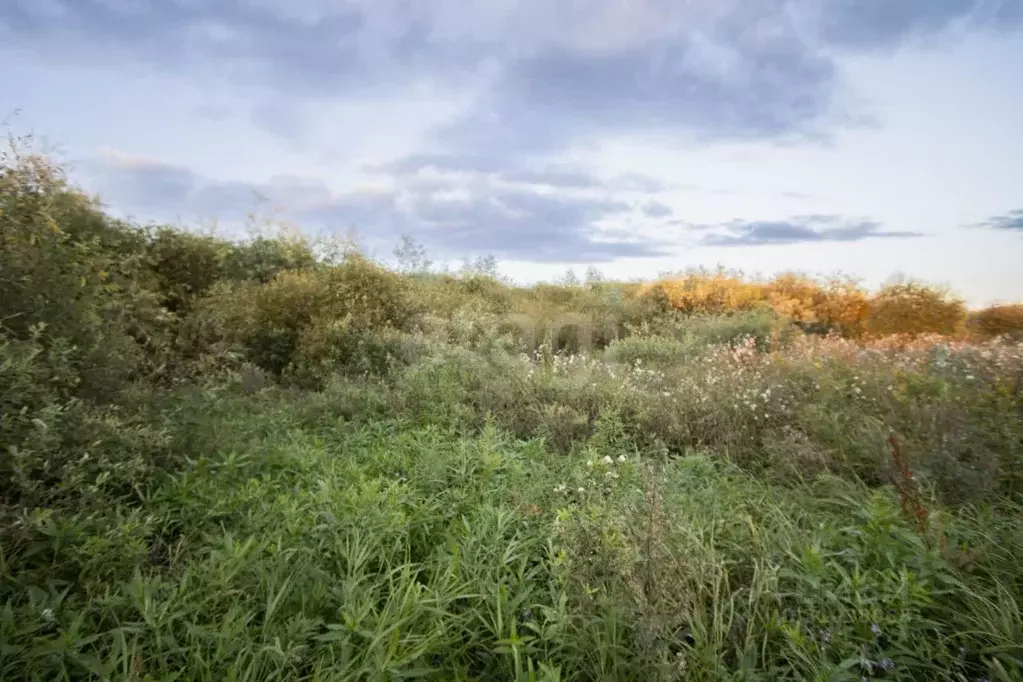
707	293
271	460
999	320
833	304
914	308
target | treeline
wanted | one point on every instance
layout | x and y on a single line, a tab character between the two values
110	302
837	305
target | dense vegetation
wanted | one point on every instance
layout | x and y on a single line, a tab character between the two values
269	460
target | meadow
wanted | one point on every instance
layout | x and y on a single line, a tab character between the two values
280	460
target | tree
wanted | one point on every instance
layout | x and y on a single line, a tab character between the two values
411	256
570	279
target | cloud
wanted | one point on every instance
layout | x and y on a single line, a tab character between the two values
527	225
449	215
798	230
873	24
656	209
444	162
1011	221
561	176
771	89
550	73
166	190
553	177
638	182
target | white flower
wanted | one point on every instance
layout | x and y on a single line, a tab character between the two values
560	488
589	463
581	490
621	458
607	460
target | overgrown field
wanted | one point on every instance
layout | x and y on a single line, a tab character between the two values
272	460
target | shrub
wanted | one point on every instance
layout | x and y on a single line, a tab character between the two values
80	275
999	320
186	265
915	308
833	304
329	346
764	326
703	293
320	309
659	350
263	259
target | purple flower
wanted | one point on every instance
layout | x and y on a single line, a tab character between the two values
875	628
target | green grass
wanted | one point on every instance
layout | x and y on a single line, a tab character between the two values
300	545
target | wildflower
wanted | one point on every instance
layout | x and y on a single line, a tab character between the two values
887	664
560	488
607	460
875	628
589	463
580	490
621	458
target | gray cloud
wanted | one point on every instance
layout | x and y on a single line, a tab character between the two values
562	177
163	190
872	24
797	230
560	71
449	215
1011	221
655	209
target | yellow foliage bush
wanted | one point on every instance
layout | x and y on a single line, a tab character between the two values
997	320
834	303
707	294
914	309
844	306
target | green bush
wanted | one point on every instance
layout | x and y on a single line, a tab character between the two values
263	259
657	350
68	268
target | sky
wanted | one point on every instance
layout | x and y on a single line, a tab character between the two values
875	138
